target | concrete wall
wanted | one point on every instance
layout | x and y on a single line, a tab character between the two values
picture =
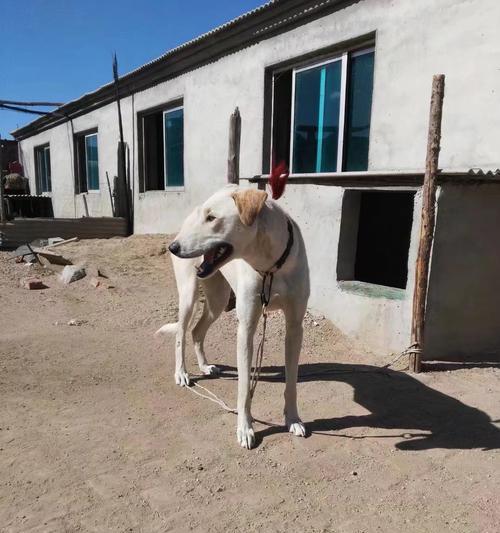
414	40
463	321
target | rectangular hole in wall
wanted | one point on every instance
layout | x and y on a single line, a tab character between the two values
375	237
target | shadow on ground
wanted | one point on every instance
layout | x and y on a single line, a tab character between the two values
397	401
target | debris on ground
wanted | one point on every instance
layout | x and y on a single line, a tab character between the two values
33	284
51	257
76	322
57	241
24	253
72	273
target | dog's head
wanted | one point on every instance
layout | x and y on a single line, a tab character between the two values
221	229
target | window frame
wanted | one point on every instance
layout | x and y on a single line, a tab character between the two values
85	137
172	188
80	161
38	178
343	52
343	58
171	105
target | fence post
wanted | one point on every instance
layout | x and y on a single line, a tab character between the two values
233	161
427	225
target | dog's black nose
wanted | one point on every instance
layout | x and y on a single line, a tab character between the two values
175	248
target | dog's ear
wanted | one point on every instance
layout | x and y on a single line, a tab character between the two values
249	203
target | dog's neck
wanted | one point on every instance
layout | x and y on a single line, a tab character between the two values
271	240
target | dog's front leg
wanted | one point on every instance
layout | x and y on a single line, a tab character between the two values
248	316
293	345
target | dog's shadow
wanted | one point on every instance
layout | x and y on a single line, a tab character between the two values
396	401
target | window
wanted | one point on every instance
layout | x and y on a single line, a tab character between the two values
161	158
87	161
42	169
321	114
375	237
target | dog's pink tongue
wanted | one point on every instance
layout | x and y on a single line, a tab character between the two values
209	257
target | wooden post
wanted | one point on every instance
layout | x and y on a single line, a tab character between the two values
124	186
3	218
233	161
428	218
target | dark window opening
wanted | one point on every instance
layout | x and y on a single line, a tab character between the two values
42	169
282	99
87	161
161	156
375	237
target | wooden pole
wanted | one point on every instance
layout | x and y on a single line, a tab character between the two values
428	219
233	161
2	200
122	163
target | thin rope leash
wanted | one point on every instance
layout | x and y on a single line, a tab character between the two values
265	299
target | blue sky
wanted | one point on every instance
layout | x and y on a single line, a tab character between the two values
57	50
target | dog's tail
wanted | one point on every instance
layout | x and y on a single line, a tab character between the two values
168	329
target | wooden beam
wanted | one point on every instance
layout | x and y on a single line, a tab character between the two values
43	104
233	161
427	225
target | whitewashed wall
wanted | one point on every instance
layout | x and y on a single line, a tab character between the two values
414	40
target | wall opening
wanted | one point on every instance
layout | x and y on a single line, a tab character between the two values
375	237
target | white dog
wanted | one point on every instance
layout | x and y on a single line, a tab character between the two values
232	241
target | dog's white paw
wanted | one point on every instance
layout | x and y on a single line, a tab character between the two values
210	370
182	378
246	437
297	428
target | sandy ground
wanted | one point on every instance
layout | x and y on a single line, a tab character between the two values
95	435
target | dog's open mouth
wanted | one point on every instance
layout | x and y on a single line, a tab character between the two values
213	259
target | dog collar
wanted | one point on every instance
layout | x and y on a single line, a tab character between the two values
284	256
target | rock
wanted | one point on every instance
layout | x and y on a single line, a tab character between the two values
94	271
72	273
33	284
100	282
76	322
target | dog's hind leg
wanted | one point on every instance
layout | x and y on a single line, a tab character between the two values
293	343
217	291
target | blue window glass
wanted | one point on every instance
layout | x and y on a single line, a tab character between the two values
358	112
174	147
92	162
316	118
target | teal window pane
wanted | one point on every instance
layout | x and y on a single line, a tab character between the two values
42	159
316	118
174	148
92	162
358	115
47	182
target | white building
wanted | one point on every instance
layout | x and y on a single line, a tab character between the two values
328	86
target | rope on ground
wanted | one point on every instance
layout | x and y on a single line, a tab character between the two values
212	397
411	349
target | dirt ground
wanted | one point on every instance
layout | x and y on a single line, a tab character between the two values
95	435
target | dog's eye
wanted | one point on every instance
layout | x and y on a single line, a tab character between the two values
210	218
